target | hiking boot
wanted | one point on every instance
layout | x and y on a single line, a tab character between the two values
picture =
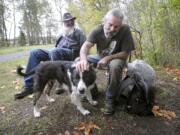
109	108
59	91
94	92
25	92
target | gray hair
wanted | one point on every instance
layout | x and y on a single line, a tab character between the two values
114	12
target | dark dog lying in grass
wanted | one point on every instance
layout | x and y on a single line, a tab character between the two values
77	83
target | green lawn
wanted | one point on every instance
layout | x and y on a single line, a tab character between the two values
7	50
62	116
7	89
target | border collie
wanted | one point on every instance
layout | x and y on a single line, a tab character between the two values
77	83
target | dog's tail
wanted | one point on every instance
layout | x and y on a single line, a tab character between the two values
19	71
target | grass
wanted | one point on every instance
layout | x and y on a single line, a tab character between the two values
62	115
21	48
6	85
7	89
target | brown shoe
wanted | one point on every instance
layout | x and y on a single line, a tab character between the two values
25	92
109	108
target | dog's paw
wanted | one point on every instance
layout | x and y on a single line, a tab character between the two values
50	99
93	102
86	112
37	114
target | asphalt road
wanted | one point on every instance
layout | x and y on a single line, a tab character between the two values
12	56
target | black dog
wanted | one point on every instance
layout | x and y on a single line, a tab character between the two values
65	73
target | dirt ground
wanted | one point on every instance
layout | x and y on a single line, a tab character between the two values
61	116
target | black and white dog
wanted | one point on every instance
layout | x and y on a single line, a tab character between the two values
77	83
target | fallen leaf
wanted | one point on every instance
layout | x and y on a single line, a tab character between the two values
13	71
17	87
177	71
163	113
66	133
43	108
76	133
16	82
176	78
40	133
3	86
31	96
86	126
168	66
170	69
2	109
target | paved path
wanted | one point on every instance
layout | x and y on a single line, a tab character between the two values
13	56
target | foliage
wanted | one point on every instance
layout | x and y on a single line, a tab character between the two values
3	30
8	77
22	38
33	11
31	21
93	12
158	22
155	24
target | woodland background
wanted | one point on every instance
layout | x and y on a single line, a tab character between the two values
155	24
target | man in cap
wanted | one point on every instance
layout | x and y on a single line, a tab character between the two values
67	48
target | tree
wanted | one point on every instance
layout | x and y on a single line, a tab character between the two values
31	22
3	30
22	38
91	13
158	21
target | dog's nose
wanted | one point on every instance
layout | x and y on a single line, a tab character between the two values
81	91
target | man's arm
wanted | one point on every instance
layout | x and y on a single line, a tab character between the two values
104	61
120	55
83	64
85	50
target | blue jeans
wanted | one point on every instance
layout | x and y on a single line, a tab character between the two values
115	68
61	54
38	55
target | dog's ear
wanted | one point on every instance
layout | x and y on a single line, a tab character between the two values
63	68
77	59
73	66
92	67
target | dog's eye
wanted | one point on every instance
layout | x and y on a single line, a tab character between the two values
137	100
77	76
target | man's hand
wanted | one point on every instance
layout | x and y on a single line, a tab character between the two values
82	65
103	62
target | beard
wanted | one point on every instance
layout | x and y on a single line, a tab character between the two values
109	34
67	30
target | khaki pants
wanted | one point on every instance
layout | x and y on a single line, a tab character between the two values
115	76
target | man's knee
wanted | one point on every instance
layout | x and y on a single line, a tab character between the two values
117	65
35	51
55	54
